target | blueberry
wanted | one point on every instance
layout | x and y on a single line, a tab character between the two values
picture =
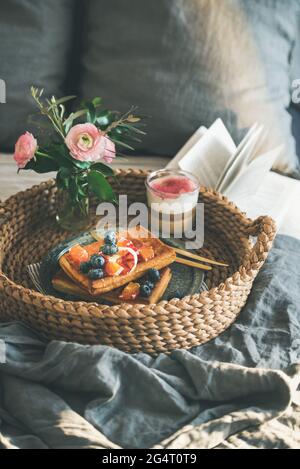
110	237
96	274
145	291
84	267
96	261
149	284
110	249
154	275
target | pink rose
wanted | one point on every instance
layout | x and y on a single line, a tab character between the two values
87	143
25	149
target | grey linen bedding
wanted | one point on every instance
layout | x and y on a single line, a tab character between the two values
238	391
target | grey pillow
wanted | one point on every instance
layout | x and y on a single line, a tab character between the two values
187	62
295	65
35	39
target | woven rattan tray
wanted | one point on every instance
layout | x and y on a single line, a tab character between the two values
28	231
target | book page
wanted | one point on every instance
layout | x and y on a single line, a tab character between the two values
186	147
209	156
245	152
235	155
248	182
278	198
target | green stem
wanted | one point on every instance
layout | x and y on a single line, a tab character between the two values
46	112
56	127
120	121
40	153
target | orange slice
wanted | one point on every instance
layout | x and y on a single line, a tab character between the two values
78	254
146	253
113	269
130	292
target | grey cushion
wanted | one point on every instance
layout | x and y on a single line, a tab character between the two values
295	63
34	45
294	110
187	62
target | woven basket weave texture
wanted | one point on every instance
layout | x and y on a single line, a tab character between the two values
28	231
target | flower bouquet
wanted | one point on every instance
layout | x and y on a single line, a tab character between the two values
84	144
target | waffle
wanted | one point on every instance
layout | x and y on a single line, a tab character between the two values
63	284
164	256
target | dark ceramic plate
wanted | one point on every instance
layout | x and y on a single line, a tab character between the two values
185	280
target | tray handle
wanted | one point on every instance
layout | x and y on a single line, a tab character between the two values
264	228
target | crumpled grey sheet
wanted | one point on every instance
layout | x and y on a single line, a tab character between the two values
238	391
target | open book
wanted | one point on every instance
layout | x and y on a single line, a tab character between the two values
242	173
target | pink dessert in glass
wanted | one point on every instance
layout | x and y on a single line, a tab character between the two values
171	187
173	193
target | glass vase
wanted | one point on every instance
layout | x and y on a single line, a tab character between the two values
72	215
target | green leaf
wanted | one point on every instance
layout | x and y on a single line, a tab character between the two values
82	164
105	118
133	119
97	101
62	101
118	131
61	154
103	168
99	186
91	112
63	178
73	187
81	191
121	144
132	128
68	123
89	107
42	164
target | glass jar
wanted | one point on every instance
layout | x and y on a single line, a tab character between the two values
172	197
72	215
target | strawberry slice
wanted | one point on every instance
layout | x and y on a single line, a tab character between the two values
78	254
